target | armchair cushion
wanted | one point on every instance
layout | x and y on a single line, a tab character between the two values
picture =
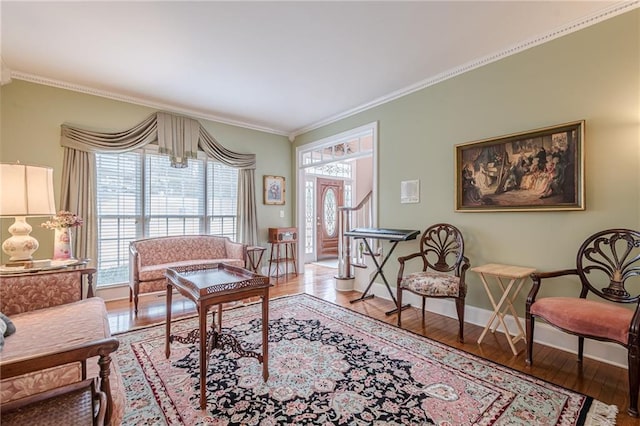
432	283
586	317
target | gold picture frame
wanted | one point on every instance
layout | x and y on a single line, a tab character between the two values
274	189
537	170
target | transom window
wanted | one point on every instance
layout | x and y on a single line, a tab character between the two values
139	195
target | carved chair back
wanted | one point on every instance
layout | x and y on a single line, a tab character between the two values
606	261
442	248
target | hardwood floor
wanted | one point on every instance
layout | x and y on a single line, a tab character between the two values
599	380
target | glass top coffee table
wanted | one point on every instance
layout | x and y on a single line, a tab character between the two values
208	285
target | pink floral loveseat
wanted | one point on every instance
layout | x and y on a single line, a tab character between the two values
150	258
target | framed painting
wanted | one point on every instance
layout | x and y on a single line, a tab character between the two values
274	190
537	170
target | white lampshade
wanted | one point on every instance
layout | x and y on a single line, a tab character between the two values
25	191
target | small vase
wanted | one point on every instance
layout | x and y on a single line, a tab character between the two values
62	244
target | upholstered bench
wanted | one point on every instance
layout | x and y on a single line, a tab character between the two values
150	258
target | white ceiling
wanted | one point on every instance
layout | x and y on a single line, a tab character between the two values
283	67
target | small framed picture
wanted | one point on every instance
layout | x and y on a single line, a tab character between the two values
274	189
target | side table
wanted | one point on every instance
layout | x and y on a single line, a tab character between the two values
254	257
209	285
276	258
516	276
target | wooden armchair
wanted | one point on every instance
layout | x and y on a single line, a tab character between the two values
443	270
605	263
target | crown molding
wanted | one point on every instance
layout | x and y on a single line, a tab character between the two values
18	75
602	15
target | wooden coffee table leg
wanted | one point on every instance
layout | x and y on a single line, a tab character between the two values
265	336
167	332
202	314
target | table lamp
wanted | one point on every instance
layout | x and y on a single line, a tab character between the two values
26	191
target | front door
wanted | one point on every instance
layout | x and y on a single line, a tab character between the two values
329	196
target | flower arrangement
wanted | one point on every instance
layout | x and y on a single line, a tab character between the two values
63	219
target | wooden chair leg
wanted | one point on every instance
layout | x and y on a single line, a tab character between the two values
399	300
460	309
530	323
580	349
634	381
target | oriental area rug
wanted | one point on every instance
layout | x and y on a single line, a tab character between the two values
329	365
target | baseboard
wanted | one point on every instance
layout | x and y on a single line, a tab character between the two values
113	292
545	334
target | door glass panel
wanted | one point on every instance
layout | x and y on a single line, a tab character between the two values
330	210
309	217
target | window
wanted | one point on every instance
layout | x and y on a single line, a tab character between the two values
140	195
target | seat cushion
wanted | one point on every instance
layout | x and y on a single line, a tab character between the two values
430	283
157	272
47	330
586	317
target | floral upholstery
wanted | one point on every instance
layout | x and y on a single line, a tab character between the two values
150	258
432	283
52	330
33	291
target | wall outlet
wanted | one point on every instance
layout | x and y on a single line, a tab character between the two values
281	213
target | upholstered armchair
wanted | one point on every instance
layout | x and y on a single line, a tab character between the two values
608	266
443	270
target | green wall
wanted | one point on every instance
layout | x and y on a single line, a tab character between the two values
592	74
31	115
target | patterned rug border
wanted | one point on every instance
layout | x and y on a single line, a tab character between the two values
598	413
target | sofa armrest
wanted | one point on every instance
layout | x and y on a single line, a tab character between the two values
78	353
134	273
235	250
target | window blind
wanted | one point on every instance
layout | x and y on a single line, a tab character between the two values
141	196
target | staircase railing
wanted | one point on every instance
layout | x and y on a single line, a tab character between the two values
360	216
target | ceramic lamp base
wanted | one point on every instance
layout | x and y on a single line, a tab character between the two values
20	245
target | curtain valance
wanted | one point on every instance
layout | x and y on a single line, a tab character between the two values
177	136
